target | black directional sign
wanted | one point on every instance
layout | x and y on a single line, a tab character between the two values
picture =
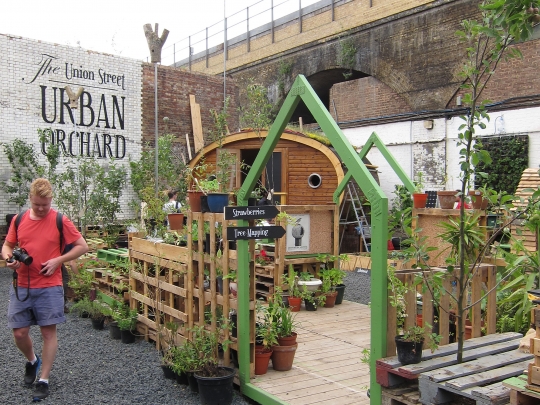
258	212
255	232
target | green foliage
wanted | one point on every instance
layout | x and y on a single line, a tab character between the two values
81	283
419	182
463	233
125	317
400	215
25	168
171	170
291	281
347	56
284	73
266	326
257	110
510	157
219	132
95	309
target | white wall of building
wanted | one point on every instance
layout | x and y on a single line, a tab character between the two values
434	151
33	73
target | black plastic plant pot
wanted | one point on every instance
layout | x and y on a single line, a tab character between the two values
168	373
127	336
216	390
340	293
114	331
98	323
192	382
204	204
408	352
182	379
310	305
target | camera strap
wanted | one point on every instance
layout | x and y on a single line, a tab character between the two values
59	225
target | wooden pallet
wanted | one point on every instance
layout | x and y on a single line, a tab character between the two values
487	361
519	393
406	395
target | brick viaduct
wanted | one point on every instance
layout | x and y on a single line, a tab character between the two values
405	49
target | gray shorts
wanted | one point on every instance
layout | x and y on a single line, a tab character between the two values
44	307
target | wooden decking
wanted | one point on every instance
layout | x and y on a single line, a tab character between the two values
327	368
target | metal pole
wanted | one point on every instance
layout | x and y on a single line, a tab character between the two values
247	33
224	54
189	52
156	122
174	54
207	47
300	15
333	14
272	18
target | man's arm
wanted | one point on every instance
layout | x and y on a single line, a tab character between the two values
79	248
7	252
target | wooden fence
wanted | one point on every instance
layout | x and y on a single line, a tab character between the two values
482	286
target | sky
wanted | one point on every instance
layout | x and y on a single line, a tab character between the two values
116	26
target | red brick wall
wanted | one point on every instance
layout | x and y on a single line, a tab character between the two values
368	97
174	87
364	98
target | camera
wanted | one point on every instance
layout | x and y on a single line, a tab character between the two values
21	255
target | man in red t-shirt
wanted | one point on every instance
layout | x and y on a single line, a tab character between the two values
41	299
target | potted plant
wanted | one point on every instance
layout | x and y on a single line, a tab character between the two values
233	284
215	382
127	321
447	198
96	310
419	196
309	281
266	333
332	278
295	297
167	337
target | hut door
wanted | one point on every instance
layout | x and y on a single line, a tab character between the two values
274	178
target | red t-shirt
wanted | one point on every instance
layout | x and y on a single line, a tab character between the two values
41	239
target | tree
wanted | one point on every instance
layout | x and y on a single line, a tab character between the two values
488	42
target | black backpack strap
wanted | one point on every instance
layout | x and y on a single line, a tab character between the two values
17	222
60	226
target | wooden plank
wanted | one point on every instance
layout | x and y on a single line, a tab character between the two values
392	362
196	123
488	377
439	362
476	366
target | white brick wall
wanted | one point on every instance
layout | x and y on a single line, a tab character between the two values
434	151
28	64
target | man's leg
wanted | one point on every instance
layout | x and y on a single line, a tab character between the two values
24	342
50	347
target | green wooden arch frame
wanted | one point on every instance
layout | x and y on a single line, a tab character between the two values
302	90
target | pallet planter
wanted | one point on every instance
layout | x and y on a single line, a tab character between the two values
166	283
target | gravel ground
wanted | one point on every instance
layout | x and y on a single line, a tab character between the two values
91	368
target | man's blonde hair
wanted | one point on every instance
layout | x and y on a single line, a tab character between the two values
41	188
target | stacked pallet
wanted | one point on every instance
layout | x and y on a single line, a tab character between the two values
526	389
487	361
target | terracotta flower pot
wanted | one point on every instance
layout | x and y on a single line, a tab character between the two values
287	340
176	221
478	200
194	198
262	359
447	199
283	357
295	303
420	200
330	299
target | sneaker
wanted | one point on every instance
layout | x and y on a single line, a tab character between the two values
31	371
41	391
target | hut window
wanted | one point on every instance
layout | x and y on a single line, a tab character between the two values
314	180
